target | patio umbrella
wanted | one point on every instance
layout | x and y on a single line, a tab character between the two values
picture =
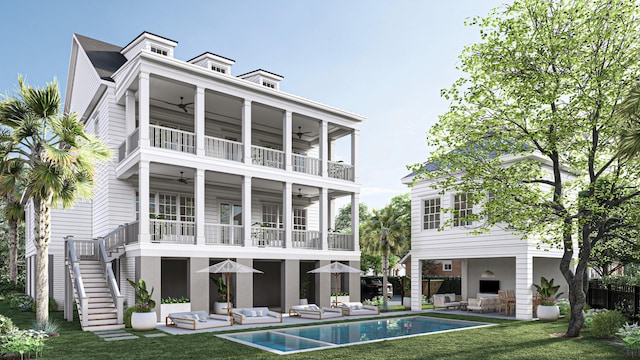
336	269
228	267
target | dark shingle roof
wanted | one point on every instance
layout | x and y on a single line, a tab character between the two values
104	57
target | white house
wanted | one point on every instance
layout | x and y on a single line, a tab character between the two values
206	166
489	262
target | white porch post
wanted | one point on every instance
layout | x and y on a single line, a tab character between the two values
355	220
130	116
288	140
246	210
199	119
355	145
464	280
287	214
524	284
416	285
143	199
324	217
324	147
200	206
143	102
246	130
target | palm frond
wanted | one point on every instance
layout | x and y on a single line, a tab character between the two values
44	102
60	157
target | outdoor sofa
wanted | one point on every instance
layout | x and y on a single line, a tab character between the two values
483	302
312	311
256	315
446	301
356	308
197	320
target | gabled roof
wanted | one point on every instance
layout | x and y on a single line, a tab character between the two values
105	58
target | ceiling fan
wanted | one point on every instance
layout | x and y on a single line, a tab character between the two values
182	105
300	132
182	179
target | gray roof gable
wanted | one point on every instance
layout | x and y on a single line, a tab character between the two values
105	58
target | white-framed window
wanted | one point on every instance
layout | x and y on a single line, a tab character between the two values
219	69
159	50
268	84
461	209
230	214
447	266
431	214
167	207
299	219
187	209
272	216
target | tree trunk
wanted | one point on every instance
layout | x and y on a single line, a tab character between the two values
42	232
13	251
385	268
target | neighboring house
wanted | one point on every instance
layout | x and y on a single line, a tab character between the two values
488	262
206	166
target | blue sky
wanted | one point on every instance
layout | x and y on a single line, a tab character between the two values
386	60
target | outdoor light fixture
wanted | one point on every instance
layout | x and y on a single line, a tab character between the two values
488	274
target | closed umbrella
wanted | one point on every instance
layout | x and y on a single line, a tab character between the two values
228	267
335	268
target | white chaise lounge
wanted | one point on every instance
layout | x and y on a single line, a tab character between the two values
312	311
356	308
446	301
197	320
256	315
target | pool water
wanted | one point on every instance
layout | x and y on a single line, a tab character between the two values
286	341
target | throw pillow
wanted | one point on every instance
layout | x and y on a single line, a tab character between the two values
254	313
259	312
313	308
196	317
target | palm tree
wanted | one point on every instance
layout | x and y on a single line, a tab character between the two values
630	137
385	234
57	156
10	177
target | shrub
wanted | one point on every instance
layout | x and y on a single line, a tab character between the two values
23	342
21	302
172	300
606	324
565	308
590	314
7	286
48	328
630	336
6	325
126	316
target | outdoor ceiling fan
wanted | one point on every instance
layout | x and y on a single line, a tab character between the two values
182	105
300	132
182	179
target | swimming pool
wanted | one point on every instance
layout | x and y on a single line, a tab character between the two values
308	338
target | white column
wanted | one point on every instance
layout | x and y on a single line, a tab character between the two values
355	145
464	279
143	108
143	196
287	214
287	136
246	131
200	206
130	115
355	220
324	217
324	147
416	284
199	121
524	285
246	210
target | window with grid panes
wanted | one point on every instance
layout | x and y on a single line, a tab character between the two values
462	208
187	209
167	207
271	215
431	215
299	219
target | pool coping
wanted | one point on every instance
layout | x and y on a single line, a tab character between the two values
230	336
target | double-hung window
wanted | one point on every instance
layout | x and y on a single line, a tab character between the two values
462	209
431	214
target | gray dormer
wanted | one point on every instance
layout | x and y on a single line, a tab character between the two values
213	62
264	78
150	42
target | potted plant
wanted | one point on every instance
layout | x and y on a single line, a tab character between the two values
304	290
548	310
343	297
406	298
170	305
143	317
220	306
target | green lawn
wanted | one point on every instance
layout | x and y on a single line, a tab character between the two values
508	340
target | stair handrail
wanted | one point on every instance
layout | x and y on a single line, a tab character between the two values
112	284
83	300
115	238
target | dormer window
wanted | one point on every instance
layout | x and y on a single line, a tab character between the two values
218	69
269	84
158	50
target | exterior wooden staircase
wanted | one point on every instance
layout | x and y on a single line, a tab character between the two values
101	313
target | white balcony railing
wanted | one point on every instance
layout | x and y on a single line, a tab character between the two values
339	170
306	164
220	234
172	231
304	239
339	241
267	157
267	237
223	149
172	139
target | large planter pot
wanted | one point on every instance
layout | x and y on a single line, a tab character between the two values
304	302
548	312
406	302
166	309
144	321
220	308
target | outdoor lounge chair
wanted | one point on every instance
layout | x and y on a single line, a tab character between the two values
197	320
257	315
446	301
312	311
483	303
356	308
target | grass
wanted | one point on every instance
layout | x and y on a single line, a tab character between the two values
508	340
